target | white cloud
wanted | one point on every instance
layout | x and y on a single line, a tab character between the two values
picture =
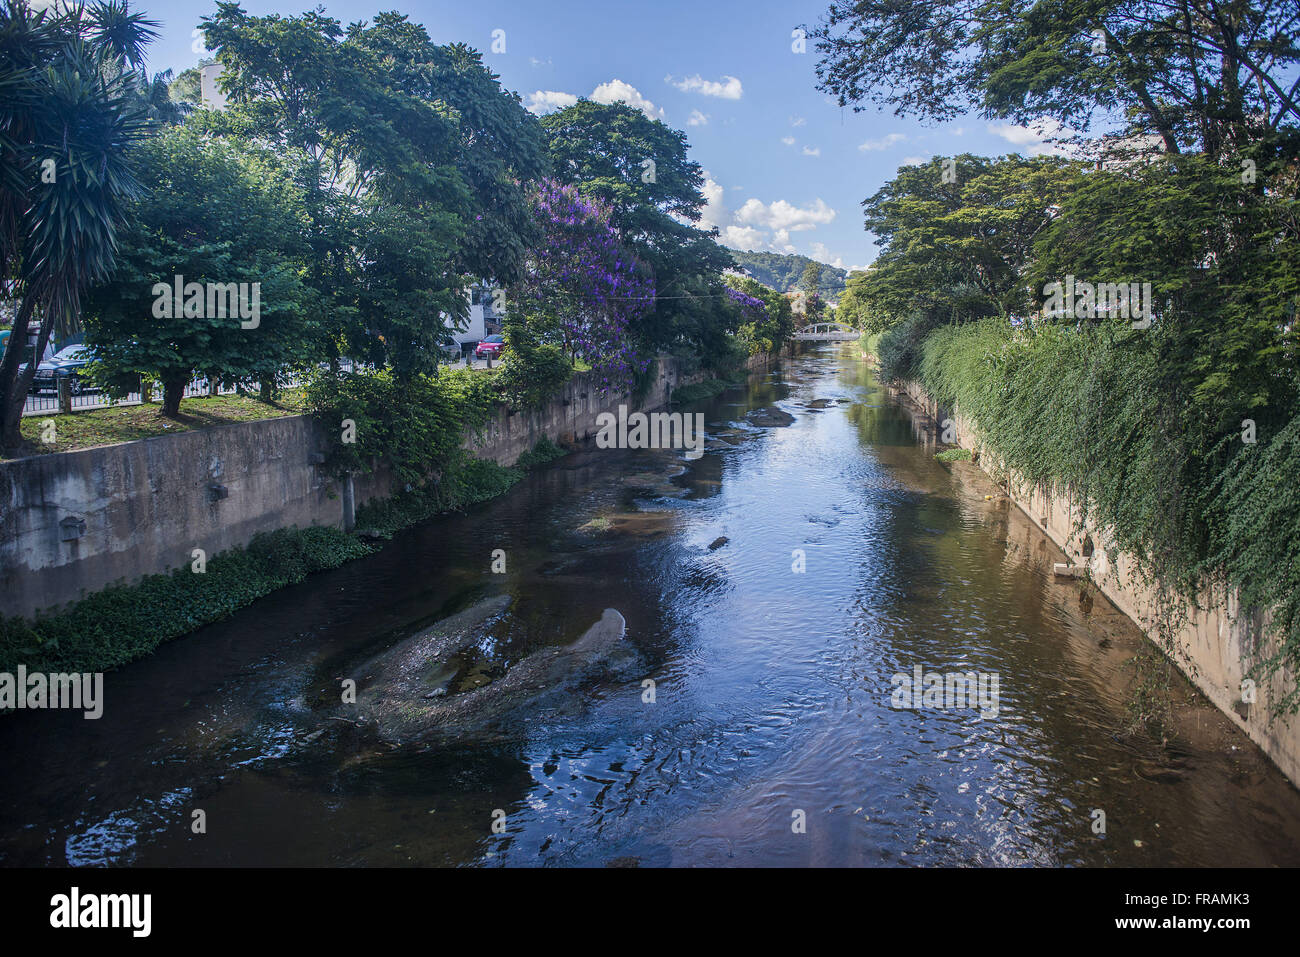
616	91
757	225
714	213
913	161
788	140
812	151
698	119
797	121
1034	142
884	143
728	88
543	101
534	61
822	254
783	215
743	237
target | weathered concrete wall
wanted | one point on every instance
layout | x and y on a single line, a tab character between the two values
1215	644
146	505
72	523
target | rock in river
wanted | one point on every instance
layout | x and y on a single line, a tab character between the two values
407	693
769	418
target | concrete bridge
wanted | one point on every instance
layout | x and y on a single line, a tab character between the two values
827	332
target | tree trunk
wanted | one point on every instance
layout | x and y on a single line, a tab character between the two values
13	387
267	391
173	392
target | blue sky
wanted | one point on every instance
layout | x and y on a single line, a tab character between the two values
787	167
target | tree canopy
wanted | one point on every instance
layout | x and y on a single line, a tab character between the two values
216	211
1202	74
639	168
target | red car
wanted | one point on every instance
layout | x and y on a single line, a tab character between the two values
490	348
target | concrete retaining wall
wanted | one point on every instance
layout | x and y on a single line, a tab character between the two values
1216	643
73	522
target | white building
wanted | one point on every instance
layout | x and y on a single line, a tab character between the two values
484	320
210	95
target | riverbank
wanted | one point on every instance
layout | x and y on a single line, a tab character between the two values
108	552
1213	641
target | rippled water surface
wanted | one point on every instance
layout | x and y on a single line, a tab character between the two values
772	688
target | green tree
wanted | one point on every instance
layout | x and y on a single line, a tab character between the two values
853	308
782	271
67	118
412	159
958	248
1204	75
216	211
811	279
156	100
639	168
769	329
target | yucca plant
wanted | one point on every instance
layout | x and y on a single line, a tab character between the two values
68	115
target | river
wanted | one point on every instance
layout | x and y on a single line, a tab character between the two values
771	738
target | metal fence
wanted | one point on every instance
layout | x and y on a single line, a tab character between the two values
46	403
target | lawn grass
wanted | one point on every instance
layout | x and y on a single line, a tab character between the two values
124	423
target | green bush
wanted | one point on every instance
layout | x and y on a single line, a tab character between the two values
531	375
899	347
544	451
953	455
416	425
125	622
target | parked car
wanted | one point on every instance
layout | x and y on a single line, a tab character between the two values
490	348
67	363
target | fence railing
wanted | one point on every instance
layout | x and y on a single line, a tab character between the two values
47	403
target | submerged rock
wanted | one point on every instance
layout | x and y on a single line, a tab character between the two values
770	418
407	693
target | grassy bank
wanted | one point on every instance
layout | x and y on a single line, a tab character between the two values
109	426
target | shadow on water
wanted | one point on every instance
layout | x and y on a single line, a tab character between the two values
772	590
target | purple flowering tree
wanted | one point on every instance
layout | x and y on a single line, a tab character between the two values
582	288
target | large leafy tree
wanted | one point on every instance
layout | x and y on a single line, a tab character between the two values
639	168
582	287
411	157
852	307
1200	74
67	118
766	319
1224	266
960	247
217	211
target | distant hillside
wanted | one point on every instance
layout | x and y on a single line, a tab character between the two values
782	271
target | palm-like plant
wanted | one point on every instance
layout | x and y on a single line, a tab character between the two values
68	114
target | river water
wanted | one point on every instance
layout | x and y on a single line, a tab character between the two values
771	738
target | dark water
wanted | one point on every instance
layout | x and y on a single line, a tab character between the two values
772	688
